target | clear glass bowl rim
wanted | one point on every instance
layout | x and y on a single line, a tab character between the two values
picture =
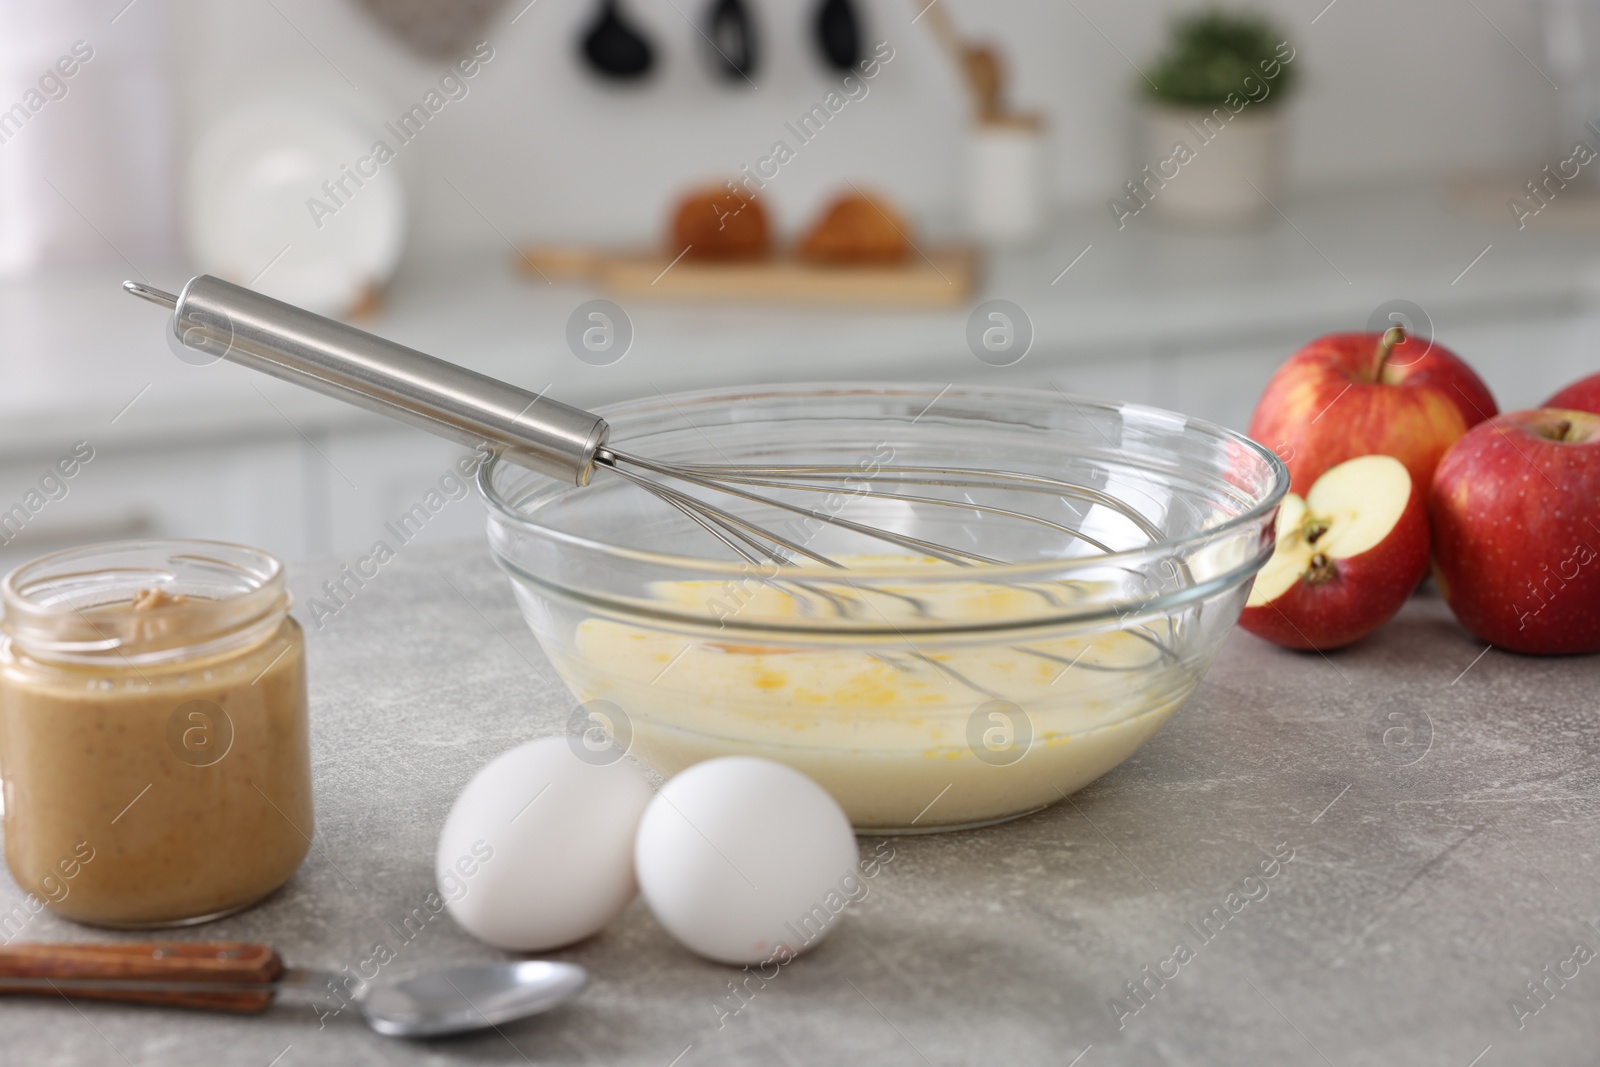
502	511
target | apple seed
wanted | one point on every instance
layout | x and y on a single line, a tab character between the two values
1320	569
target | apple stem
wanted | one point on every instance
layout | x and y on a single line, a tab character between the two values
1394	335
1560	429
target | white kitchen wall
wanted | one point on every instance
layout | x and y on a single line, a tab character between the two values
540	150
86	147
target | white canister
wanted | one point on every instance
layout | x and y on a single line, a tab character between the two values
1005	184
85	134
1210	167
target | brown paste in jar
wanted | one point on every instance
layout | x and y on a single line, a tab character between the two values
189	780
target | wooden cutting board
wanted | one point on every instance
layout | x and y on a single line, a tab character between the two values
942	277
1487	199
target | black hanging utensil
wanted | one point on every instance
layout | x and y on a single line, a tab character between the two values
838	30
614	49
732	34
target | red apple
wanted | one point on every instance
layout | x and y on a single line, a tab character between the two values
1581	395
1516	523
1358	394
1348	556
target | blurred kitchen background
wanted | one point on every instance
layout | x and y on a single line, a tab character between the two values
1410	158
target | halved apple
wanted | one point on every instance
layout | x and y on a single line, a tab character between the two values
1348	556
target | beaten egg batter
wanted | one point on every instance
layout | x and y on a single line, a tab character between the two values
937	732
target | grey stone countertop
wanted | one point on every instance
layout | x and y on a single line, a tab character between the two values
1439	801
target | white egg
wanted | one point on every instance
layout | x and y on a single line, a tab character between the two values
745	860
538	850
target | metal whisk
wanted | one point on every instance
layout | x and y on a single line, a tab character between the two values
230	322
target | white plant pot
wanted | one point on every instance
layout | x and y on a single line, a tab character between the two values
1233	173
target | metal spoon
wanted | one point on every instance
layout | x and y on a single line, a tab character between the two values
239	977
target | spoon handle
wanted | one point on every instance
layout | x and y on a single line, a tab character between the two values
51	969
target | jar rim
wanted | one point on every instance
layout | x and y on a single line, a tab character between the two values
230	591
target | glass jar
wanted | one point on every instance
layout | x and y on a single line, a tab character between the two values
153	731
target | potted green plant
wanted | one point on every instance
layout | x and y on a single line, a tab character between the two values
1213	132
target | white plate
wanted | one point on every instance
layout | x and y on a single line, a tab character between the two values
252	213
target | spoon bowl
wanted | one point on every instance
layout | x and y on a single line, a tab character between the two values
474	997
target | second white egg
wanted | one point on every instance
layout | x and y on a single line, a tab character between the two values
745	860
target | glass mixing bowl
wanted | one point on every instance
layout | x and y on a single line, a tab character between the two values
923	695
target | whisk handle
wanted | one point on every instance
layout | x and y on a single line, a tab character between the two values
242	326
